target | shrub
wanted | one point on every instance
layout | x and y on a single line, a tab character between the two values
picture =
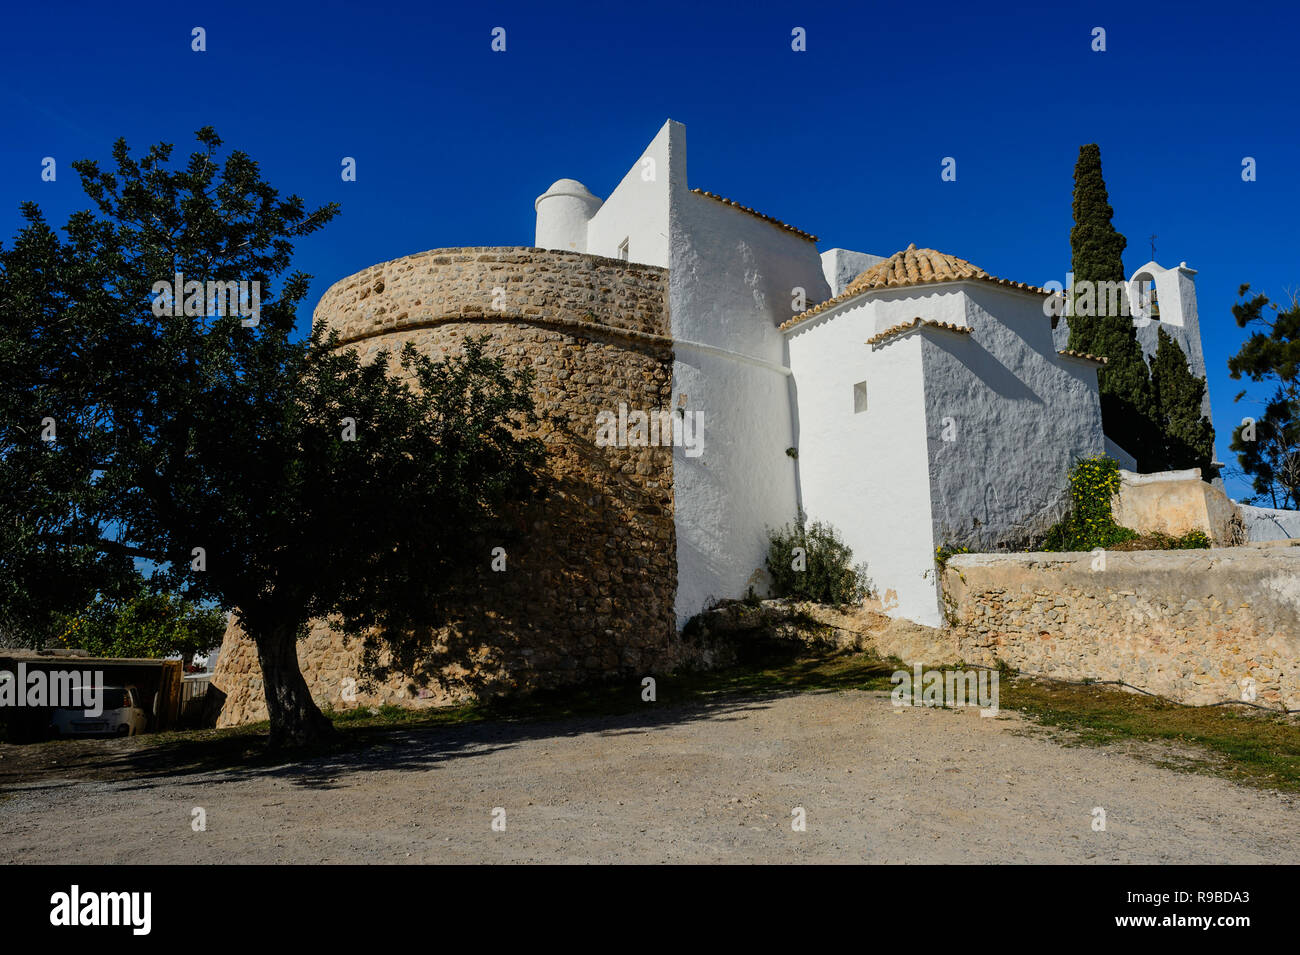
944	551
146	624
1192	540
828	575
1089	524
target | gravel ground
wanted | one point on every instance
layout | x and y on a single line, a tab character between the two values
701	784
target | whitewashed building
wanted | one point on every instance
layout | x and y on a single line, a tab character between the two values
910	400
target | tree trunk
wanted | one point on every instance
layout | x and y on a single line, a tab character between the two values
295	718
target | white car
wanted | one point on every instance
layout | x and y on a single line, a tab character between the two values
122	715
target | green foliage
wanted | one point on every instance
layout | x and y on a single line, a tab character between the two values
1269	450
1128	404
1188	436
1096	247
1273	349
944	551
828	575
144	625
1089	523
1192	540
1152	412
51	505
185	431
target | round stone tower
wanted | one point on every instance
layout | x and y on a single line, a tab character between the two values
563	212
588	587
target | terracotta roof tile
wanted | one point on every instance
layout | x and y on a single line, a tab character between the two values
915	266
754	212
1082	354
911	267
916	323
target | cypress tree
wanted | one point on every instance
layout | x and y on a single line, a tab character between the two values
1096	248
1128	409
1188	435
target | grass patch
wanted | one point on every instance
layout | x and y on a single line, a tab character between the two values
1248	746
1192	540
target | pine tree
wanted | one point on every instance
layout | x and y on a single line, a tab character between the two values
1269	450
1128	407
1188	435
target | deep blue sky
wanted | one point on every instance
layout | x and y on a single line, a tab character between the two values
453	142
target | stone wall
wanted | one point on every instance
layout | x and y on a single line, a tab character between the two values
728	626
1270	523
1193	626
1174	503
566	290
589	587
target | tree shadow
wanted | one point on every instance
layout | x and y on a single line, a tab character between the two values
617	709
581	589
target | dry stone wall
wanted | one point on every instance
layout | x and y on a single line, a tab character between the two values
590	581
1198	627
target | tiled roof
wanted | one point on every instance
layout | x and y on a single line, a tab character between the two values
1082	354
916	323
754	212
809	313
912	266
915	266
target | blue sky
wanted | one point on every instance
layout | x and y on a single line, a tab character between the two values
453	141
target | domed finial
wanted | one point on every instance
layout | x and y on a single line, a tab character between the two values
563	212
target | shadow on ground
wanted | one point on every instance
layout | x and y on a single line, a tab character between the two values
422	742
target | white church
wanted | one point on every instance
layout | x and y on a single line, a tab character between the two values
910	400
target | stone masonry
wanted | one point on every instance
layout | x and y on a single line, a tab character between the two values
1198	626
589	586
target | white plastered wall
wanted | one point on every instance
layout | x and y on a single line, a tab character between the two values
732	278
637	210
866	472
842	266
1176	293
1006	418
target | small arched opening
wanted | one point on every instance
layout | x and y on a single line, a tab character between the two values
1148	302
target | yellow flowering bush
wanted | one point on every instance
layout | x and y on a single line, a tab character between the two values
1089	523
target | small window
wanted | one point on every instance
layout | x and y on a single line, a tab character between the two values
860	397
622	250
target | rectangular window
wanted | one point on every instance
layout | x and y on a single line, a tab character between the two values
622	250
860	397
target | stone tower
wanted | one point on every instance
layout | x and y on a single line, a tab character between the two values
591	573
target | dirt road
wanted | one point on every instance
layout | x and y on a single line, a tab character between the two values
716	783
